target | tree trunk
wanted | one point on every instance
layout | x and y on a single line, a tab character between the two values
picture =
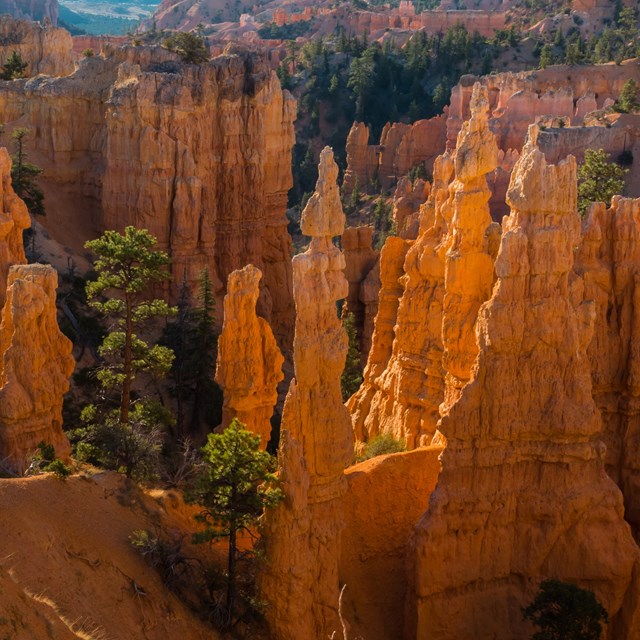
231	580
126	384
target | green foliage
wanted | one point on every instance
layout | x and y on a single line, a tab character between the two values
629	99
271	31
127	267
191	47
165	556
361	79
24	175
383	222
44	461
193	337
379	446
598	179
563	611
237	484
14	67
352	374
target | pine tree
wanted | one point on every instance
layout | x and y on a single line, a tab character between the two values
352	374
24	174
236	487
598	179
14	67
629	99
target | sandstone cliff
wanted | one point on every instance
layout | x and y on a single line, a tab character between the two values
45	49
302	535
249	365
609	263
199	155
35	366
522	495
14	219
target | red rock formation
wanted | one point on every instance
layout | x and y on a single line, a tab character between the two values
360	258
522	495
35	366
368	298
384	499
302	535
45	49
42	10
249	365
407	200
200	156
14	219
468	264
401	392
362	159
609	263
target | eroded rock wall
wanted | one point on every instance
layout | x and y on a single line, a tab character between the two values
35	366
522	495
302	535
199	155
41	10
249	364
44	48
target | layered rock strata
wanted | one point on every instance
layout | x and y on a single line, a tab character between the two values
249	364
609	263
35	366
44	48
200	155
14	219
522	495
302	535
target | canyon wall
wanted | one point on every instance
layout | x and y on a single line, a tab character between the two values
41	10
35	366
249	363
198	155
300	582
44	48
609	263
522	495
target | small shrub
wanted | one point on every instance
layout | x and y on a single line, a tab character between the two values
44	461
380	445
88	53
165	556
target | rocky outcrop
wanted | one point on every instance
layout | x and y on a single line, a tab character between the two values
402	147
609	263
35	366
200	155
14	219
249	364
44	48
360	258
468	263
41	10
522	495
401	392
300	582
385	497
407	200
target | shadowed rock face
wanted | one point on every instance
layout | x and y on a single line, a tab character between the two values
302	535
14	219
40	10
522	495
35	366
249	364
198	155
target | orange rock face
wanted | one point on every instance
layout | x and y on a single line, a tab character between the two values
468	264
35	366
14	219
609	263
200	155
249	365
45	49
301	583
385	498
522	495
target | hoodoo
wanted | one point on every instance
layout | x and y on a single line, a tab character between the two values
523	495
300	582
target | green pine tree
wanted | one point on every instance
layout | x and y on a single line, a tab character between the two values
14	68
352	374
24	174
598	179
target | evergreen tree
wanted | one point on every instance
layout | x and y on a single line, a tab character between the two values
235	488
361	79
598	179
191	47
24	174
14	67
629	99
352	374
564	611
